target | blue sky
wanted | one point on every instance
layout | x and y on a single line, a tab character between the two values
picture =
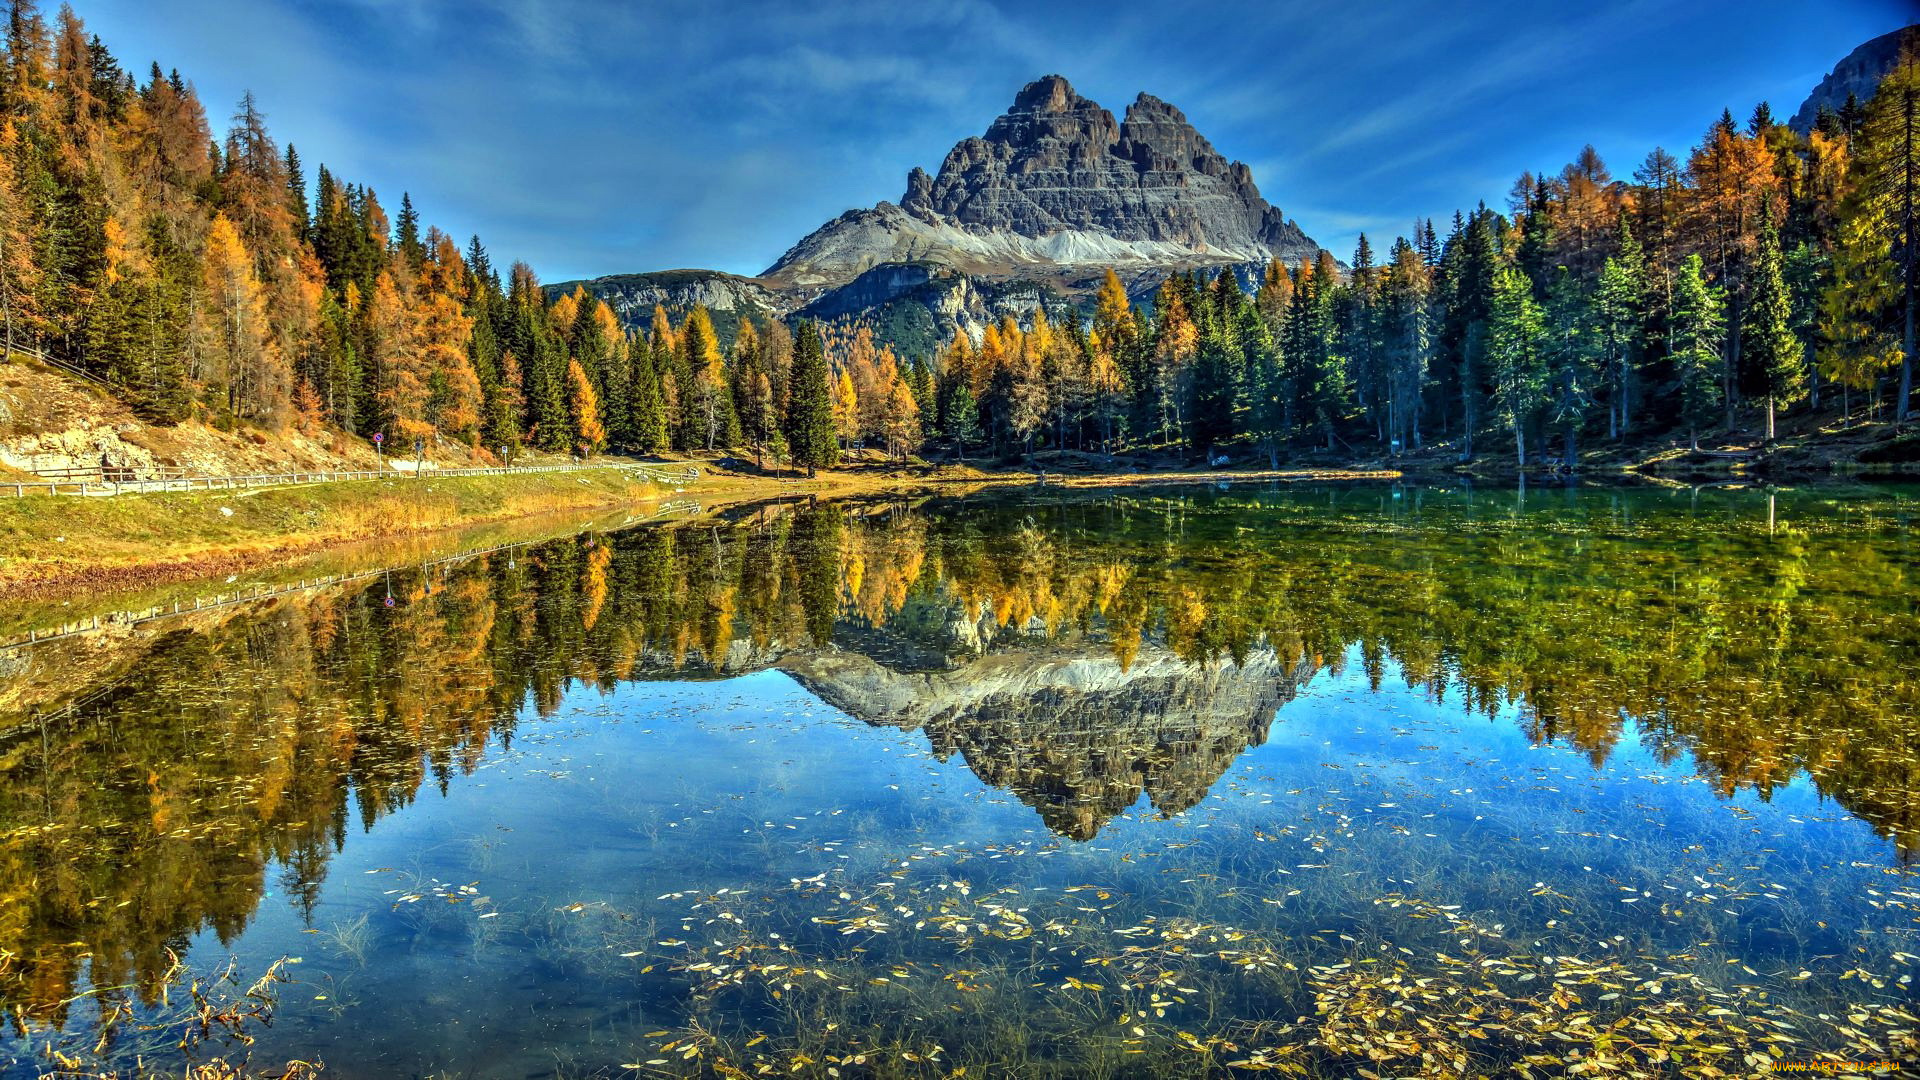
602	138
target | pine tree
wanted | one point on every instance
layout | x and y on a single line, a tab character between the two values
1619	321
1768	337
1889	165
648	427
1514	331
503	409
1857	343
1695	343
961	418
809	420
407	233
297	193
1572	351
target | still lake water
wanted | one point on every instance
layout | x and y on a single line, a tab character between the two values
1419	781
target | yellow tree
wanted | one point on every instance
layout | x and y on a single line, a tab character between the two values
846	409
1856	349
401	380
870	385
584	405
258	379
19	274
711	402
564	311
903	416
442	332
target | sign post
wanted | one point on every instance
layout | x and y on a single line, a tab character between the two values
419	454
379	437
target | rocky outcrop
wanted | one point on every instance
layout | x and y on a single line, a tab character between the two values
1857	76
1056	181
729	297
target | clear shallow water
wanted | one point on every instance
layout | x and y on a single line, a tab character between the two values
1408	780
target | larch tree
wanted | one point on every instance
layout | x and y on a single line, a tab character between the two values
442	331
846	409
20	283
1856	343
584	407
258	380
401	372
711	403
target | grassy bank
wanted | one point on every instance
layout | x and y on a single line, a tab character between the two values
63	545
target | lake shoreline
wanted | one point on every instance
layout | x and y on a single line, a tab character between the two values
69	546
63	547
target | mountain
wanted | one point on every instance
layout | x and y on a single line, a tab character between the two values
1029	214
727	297
1056	182
1857	76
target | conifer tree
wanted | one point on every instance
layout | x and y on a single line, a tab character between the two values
407	233
647	429
1619	321
1768	337
583	405
1695	342
710	404
809	421
1889	164
503	409
1514	330
20	277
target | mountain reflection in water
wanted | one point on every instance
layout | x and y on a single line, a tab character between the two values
1079	652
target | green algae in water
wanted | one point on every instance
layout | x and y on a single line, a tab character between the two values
1314	781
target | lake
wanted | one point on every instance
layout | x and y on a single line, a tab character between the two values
1317	779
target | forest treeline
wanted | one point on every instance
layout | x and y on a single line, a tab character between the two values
204	277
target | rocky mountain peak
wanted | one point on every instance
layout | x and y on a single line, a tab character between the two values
1056	181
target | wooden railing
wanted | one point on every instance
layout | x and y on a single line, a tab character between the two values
113	480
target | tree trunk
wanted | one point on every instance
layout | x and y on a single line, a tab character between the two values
1519	442
1906	354
1769	419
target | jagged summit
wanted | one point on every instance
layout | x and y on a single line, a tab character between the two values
1055	180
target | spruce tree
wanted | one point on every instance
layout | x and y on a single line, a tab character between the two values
407	233
809	422
1768	337
1694	342
647	423
1514	330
